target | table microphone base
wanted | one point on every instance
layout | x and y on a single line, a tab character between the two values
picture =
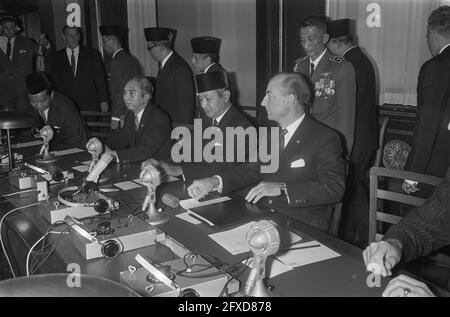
156	218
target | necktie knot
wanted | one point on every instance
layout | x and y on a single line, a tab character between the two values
282	135
215	123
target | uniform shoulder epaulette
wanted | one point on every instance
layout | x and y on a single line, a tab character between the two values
301	59
337	59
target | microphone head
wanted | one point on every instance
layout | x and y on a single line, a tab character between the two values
263	238
150	175
170	200
47	132
95	146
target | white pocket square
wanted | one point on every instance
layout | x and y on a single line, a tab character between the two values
298	163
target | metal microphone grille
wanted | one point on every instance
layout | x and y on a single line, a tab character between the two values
170	200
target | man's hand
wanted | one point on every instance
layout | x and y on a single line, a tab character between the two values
409	187
111	152
202	187
380	257
405	286
115	124
271	189
104	106
172	170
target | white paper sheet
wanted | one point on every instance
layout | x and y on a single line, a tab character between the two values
186	217
81	168
294	258
192	203
127	185
273	264
67	152
88	163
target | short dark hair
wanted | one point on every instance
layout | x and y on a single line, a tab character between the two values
65	27
319	21
439	21
299	86
144	84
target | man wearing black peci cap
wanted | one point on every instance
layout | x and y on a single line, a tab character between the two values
214	96
123	68
57	111
16	62
356	211
174	89
205	54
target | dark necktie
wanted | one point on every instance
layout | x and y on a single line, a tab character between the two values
282	134
8	49
215	123
136	123
42	114
72	62
311	71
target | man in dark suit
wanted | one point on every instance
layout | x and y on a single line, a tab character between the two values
311	173
430	153
123	67
356	209
333	80
215	99
16	63
205	54
146	132
174	89
56	111
78	72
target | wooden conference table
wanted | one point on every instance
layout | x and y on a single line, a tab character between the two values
344	275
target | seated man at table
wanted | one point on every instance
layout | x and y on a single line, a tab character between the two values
214	95
311	173
58	112
146	130
424	230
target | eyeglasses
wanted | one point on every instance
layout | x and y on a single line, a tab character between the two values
154	45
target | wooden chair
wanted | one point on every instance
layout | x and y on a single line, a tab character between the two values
382	125
98	123
377	215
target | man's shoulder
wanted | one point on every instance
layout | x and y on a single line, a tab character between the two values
320	130
64	102
237	118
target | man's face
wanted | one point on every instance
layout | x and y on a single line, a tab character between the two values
274	101
313	41
134	98
40	101
71	37
200	62
213	103
155	51
9	29
333	46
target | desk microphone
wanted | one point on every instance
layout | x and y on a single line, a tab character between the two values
170	200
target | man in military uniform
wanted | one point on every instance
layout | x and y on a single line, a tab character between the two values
332	77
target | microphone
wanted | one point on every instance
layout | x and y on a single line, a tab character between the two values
95	147
263	240
170	200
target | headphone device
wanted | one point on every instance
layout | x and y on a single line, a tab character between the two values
66	197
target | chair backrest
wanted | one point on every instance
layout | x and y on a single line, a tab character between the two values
98	123
333	228
382	124
376	215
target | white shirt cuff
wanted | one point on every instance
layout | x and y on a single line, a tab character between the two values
115	119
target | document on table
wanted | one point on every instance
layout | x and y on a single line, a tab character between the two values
127	185
300	257
67	152
192	203
235	240
186	216
81	168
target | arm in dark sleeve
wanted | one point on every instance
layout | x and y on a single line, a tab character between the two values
426	228
346	104
329	184
72	132
184	95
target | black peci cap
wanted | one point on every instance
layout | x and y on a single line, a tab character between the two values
115	30
205	45
211	81
159	34
338	28
37	83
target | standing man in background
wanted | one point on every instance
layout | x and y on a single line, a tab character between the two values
16	62
430	152
333	80
175	88
205	54
78	72
356	209
123	68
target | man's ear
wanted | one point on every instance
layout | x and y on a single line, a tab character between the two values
227	94
326	38
147	97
